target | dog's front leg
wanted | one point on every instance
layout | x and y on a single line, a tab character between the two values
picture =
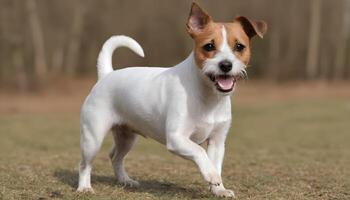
216	151
181	145
216	145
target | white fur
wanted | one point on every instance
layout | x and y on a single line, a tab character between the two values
175	106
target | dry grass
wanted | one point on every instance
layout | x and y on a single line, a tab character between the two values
281	146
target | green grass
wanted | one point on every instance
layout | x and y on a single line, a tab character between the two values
296	149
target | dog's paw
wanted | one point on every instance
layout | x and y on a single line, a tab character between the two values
129	183
85	190
213	179
225	193
220	191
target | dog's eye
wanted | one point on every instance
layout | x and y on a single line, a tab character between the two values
209	47
238	47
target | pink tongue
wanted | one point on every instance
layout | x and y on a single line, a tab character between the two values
225	83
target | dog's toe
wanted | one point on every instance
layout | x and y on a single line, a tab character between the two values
85	190
225	193
220	191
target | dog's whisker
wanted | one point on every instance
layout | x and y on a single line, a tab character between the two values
242	75
245	74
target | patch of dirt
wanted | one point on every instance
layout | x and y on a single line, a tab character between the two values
62	96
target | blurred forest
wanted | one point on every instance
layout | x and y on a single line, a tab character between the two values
42	40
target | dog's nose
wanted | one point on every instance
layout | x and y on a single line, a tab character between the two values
225	66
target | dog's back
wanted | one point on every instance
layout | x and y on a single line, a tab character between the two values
130	96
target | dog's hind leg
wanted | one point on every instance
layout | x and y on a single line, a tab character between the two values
93	131
124	140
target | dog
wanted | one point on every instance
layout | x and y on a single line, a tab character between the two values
181	106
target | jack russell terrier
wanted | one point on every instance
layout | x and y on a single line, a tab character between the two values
180	107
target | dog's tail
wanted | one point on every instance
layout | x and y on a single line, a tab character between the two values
104	61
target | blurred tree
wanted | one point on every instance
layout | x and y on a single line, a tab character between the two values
314	38
18	63
273	68
343	41
40	63
39	38
73	52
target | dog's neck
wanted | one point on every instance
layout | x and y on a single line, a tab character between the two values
196	84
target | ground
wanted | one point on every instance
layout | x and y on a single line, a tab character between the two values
286	142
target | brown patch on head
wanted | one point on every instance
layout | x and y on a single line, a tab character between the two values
205	31
210	35
241	31
237	36
252	27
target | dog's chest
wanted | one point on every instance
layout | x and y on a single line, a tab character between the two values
202	131
205	128
209	122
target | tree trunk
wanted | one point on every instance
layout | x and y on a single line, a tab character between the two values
325	63
4	13
75	36
21	77
40	64
314	39
273	69
292	60
342	42
58	56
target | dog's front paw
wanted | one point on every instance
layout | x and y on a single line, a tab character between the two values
225	193
220	191
213	179
129	183
85	190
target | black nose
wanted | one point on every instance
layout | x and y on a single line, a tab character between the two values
225	66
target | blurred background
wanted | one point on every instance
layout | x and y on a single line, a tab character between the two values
290	131
42	40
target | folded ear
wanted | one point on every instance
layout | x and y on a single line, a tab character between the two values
251	27
197	20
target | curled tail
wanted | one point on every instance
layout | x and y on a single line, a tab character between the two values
104	61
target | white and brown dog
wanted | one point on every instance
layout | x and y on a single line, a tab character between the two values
180	107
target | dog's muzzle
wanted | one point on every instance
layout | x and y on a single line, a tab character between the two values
224	83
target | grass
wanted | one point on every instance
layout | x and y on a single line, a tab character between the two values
283	149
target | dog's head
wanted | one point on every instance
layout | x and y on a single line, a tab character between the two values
222	50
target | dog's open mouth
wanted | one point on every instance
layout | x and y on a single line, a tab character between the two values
223	83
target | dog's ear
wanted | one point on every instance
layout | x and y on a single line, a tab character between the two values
197	20
251	27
